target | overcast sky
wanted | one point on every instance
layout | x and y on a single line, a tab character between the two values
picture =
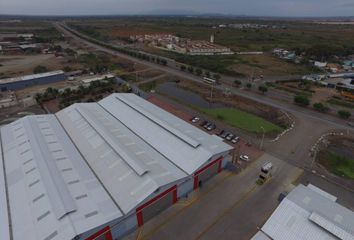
237	7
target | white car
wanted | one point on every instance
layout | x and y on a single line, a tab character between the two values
195	119
244	158
235	140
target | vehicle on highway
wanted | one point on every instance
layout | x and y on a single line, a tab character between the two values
244	158
195	119
211	127
235	140
266	168
209	80
229	137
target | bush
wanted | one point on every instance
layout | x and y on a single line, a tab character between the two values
199	71
237	83
263	89
249	85
344	114
320	107
183	68
301	100
40	69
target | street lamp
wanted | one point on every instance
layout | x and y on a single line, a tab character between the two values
261	146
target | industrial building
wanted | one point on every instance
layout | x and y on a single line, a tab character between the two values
31	80
308	213
99	170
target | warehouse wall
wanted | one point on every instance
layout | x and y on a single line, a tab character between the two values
33	82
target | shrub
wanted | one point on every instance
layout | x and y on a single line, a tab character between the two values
40	69
263	89
320	107
301	100
344	114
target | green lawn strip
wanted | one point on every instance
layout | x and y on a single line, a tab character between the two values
242	120
338	165
341	103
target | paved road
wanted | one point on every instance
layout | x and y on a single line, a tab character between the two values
217	210
247	94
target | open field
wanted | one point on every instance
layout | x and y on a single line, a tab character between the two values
298	35
338	157
243	120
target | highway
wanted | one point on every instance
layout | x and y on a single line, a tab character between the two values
296	110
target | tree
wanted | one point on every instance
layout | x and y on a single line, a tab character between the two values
207	74
217	77
237	83
199	71
301	100
40	69
190	69
344	114
320	107
183	68
263	89
249	85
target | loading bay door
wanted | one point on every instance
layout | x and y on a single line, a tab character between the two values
207	172
156	205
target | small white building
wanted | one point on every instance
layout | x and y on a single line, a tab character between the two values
308	213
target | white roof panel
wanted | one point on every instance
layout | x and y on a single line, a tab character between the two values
52	192
309	215
4	217
126	165
186	146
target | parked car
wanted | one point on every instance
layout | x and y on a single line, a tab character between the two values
229	137
224	134
211	127
235	140
195	119
244	158
221	133
207	125
204	123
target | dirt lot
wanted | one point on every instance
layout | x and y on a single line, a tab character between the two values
17	65
266	65
271	114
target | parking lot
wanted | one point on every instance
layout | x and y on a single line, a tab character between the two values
241	146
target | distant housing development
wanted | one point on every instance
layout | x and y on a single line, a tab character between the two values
308	213
182	45
99	170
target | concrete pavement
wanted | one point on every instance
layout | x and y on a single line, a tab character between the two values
217	208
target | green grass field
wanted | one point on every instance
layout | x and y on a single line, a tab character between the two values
338	165
243	120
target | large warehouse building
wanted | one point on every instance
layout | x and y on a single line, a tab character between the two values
99	170
31	80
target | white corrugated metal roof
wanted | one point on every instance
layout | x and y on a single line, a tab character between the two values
52	192
4	217
183	144
30	77
260	236
323	193
308	215
127	166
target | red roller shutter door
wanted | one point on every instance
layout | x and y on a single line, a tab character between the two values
207	172
156	205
